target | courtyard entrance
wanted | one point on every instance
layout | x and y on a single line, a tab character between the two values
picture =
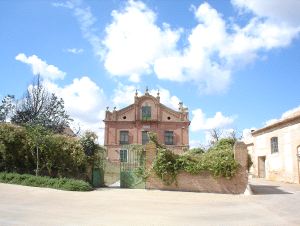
132	166
128	171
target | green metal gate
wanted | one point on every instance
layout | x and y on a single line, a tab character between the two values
98	177
132	164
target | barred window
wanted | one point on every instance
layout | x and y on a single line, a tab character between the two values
145	138
123	155
124	137
169	138
274	144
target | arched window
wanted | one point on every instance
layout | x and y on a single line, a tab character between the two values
146	113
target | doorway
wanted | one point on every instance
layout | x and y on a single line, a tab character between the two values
298	162
262	166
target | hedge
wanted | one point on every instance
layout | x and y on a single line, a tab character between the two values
48	182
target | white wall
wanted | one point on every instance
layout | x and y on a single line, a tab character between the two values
281	166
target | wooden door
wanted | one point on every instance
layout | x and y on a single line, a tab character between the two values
262	166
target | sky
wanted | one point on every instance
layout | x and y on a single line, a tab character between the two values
234	64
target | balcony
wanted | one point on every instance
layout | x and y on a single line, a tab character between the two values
122	142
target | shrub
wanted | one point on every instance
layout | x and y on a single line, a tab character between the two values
165	166
219	161
195	151
38	181
58	155
15	149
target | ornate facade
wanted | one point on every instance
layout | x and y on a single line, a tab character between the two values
131	124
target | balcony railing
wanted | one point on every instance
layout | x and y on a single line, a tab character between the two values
123	142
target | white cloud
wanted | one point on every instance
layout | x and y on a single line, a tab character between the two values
83	98
124	96
67	4
195	144
214	47
276	10
166	98
133	41
201	122
135	44
247	136
86	21
74	50
38	66
290	113
85	102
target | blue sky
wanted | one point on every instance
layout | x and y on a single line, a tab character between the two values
234	64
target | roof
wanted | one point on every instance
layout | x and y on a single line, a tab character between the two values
291	119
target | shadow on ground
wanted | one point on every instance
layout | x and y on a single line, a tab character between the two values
267	190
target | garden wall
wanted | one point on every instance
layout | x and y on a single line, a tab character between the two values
203	182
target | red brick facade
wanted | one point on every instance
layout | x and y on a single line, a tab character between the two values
130	124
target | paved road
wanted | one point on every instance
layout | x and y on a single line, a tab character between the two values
274	204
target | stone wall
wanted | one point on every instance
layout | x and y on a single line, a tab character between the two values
203	182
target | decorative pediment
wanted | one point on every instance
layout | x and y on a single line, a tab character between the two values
126	109
170	111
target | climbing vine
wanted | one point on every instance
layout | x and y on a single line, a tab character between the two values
218	160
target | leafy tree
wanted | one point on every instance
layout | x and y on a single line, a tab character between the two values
37	135
88	142
7	108
39	107
94	152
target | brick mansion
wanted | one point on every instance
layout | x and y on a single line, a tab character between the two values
131	124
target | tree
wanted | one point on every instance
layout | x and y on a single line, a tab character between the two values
39	107
37	133
7	108
215	136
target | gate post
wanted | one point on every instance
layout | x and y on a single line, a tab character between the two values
150	149
151	152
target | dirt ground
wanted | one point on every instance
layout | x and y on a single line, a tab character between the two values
273	204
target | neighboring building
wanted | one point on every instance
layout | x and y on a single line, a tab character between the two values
275	150
131	124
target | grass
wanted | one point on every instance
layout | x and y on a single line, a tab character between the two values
47	182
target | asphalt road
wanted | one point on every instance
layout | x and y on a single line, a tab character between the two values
273	204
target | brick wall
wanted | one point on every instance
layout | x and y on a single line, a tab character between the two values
203	182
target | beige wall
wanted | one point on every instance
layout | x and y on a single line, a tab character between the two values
281	166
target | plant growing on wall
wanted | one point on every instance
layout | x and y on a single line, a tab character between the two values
218	160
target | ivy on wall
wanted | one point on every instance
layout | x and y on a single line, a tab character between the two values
218	160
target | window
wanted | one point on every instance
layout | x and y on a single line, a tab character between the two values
274	144
169	138
124	137
146	113
145	138
123	155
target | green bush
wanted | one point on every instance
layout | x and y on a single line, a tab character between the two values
195	151
15	149
165	165
218	160
58	155
38	181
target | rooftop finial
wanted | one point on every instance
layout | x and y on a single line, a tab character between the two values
147	90
180	105
107	108
158	92
136	93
